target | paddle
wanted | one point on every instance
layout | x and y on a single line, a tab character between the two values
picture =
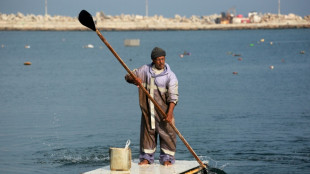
86	19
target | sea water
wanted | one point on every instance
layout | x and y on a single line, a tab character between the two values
244	101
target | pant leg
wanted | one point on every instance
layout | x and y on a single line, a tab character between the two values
167	138
148	141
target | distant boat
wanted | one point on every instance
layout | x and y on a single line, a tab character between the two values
132	42
185	54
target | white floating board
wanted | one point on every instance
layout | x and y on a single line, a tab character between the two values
132	42
156	168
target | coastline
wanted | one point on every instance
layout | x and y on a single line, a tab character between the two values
20	22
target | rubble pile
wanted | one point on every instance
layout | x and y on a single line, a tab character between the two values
307	18
281	18
20	21
19	17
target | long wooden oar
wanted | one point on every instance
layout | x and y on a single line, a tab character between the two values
86	19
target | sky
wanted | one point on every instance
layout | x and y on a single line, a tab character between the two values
166	8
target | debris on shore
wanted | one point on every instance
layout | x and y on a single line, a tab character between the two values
20	21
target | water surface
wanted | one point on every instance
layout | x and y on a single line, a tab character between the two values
64	112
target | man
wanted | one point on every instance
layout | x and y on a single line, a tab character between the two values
162	85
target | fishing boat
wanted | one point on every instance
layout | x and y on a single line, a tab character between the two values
180	167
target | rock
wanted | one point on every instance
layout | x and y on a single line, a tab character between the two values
177	17
139	17
307	18
19	15
20	21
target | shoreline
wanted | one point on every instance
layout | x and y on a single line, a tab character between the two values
20	22
208	27
113	27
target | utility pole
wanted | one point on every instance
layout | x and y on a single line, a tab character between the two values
45	7
279	8
146	8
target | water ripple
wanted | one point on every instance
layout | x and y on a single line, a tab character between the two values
73	156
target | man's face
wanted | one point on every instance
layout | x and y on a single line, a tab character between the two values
159	62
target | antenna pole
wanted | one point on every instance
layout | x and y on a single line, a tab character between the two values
279	8
146	8
45	7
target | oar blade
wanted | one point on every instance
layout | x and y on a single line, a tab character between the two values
217	171
199	170
211	171
87	20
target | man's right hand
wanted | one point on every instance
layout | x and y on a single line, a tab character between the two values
137	81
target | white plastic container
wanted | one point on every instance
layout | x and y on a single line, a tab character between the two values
120	159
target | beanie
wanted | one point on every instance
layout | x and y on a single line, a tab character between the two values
157	52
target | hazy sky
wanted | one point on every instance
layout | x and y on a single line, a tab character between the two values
167	8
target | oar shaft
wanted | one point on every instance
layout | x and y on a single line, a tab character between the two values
150	97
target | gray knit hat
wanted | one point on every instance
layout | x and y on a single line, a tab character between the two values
157	52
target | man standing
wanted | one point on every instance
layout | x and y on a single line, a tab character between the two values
162	85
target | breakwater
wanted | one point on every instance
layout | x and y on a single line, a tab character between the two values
123	22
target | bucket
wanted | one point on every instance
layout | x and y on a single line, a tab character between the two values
120	159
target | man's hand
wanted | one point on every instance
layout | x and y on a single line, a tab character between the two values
169	117
169	114
131	80
137	81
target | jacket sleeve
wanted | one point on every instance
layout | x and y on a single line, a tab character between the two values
173	91
139	72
